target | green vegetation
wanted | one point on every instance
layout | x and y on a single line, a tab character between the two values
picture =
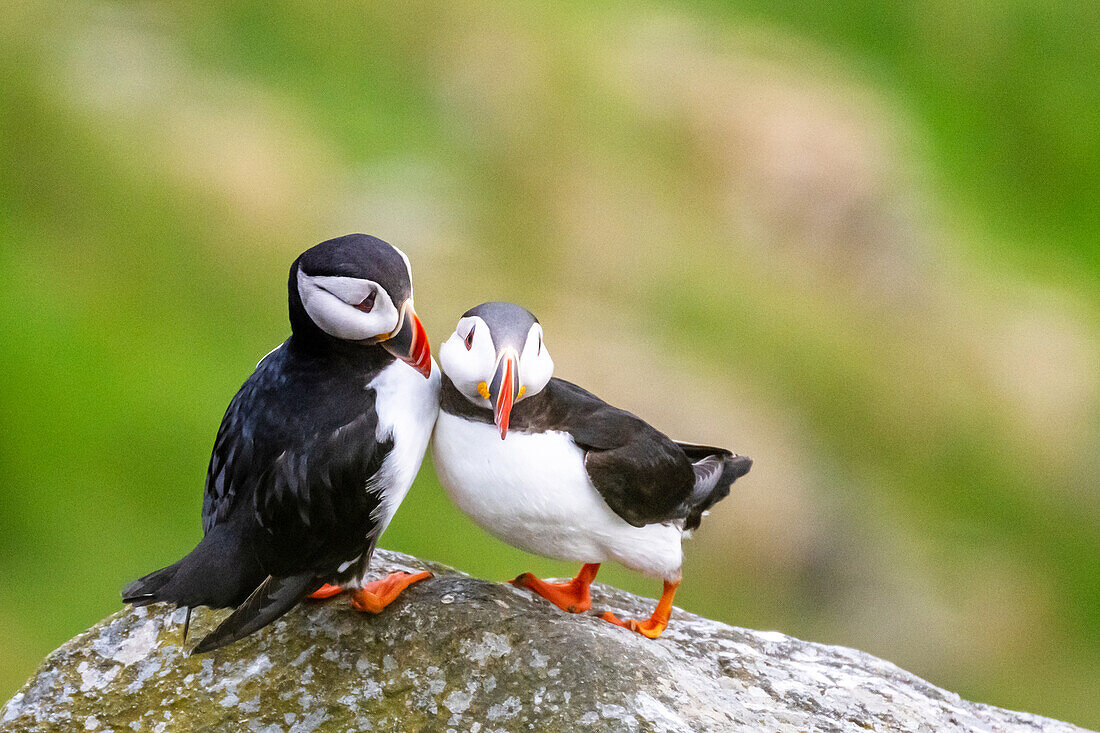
1005	95
876	222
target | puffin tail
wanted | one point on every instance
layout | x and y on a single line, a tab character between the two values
272	599
217	573
715	471
143	591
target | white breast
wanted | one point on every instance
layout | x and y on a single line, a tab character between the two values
532	491
407	405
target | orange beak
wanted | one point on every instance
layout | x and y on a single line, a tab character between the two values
503	392
410	344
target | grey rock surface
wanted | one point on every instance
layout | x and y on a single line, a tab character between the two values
457	653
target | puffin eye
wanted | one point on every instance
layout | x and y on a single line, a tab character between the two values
470	338
539	349
368	302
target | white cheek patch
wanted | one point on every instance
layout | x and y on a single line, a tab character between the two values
468	368
535	365
330	303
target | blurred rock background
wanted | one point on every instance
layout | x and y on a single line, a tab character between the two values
857	241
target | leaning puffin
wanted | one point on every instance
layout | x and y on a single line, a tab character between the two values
316	450
552	469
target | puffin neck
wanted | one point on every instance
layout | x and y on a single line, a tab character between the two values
323	346
456	403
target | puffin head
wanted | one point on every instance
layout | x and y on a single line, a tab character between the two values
496	358
357	289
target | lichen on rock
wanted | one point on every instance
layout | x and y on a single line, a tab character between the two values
461	654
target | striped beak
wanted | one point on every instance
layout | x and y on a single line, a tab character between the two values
504	390
410	343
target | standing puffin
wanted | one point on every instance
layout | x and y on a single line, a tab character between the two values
554	470
316	450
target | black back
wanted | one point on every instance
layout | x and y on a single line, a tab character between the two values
642	474
294	454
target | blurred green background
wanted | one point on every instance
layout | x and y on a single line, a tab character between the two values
858	241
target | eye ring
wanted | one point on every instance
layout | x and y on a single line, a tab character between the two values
367	304
470	338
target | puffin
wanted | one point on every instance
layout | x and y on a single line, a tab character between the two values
554	470
315	452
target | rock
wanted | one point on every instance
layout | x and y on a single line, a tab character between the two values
457	653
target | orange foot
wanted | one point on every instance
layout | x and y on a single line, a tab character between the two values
373	597
326	591
655	624
572	596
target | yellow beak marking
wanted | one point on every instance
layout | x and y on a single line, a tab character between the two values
483	390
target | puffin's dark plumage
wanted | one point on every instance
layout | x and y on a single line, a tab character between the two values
294	486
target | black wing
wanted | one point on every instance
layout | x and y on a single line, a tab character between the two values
295	453
639	471
272	599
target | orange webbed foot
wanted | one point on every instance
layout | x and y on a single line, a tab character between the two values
653	626
566	596
325	591
572	596
646	627
375	596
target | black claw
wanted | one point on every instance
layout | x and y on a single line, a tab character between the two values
186	624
